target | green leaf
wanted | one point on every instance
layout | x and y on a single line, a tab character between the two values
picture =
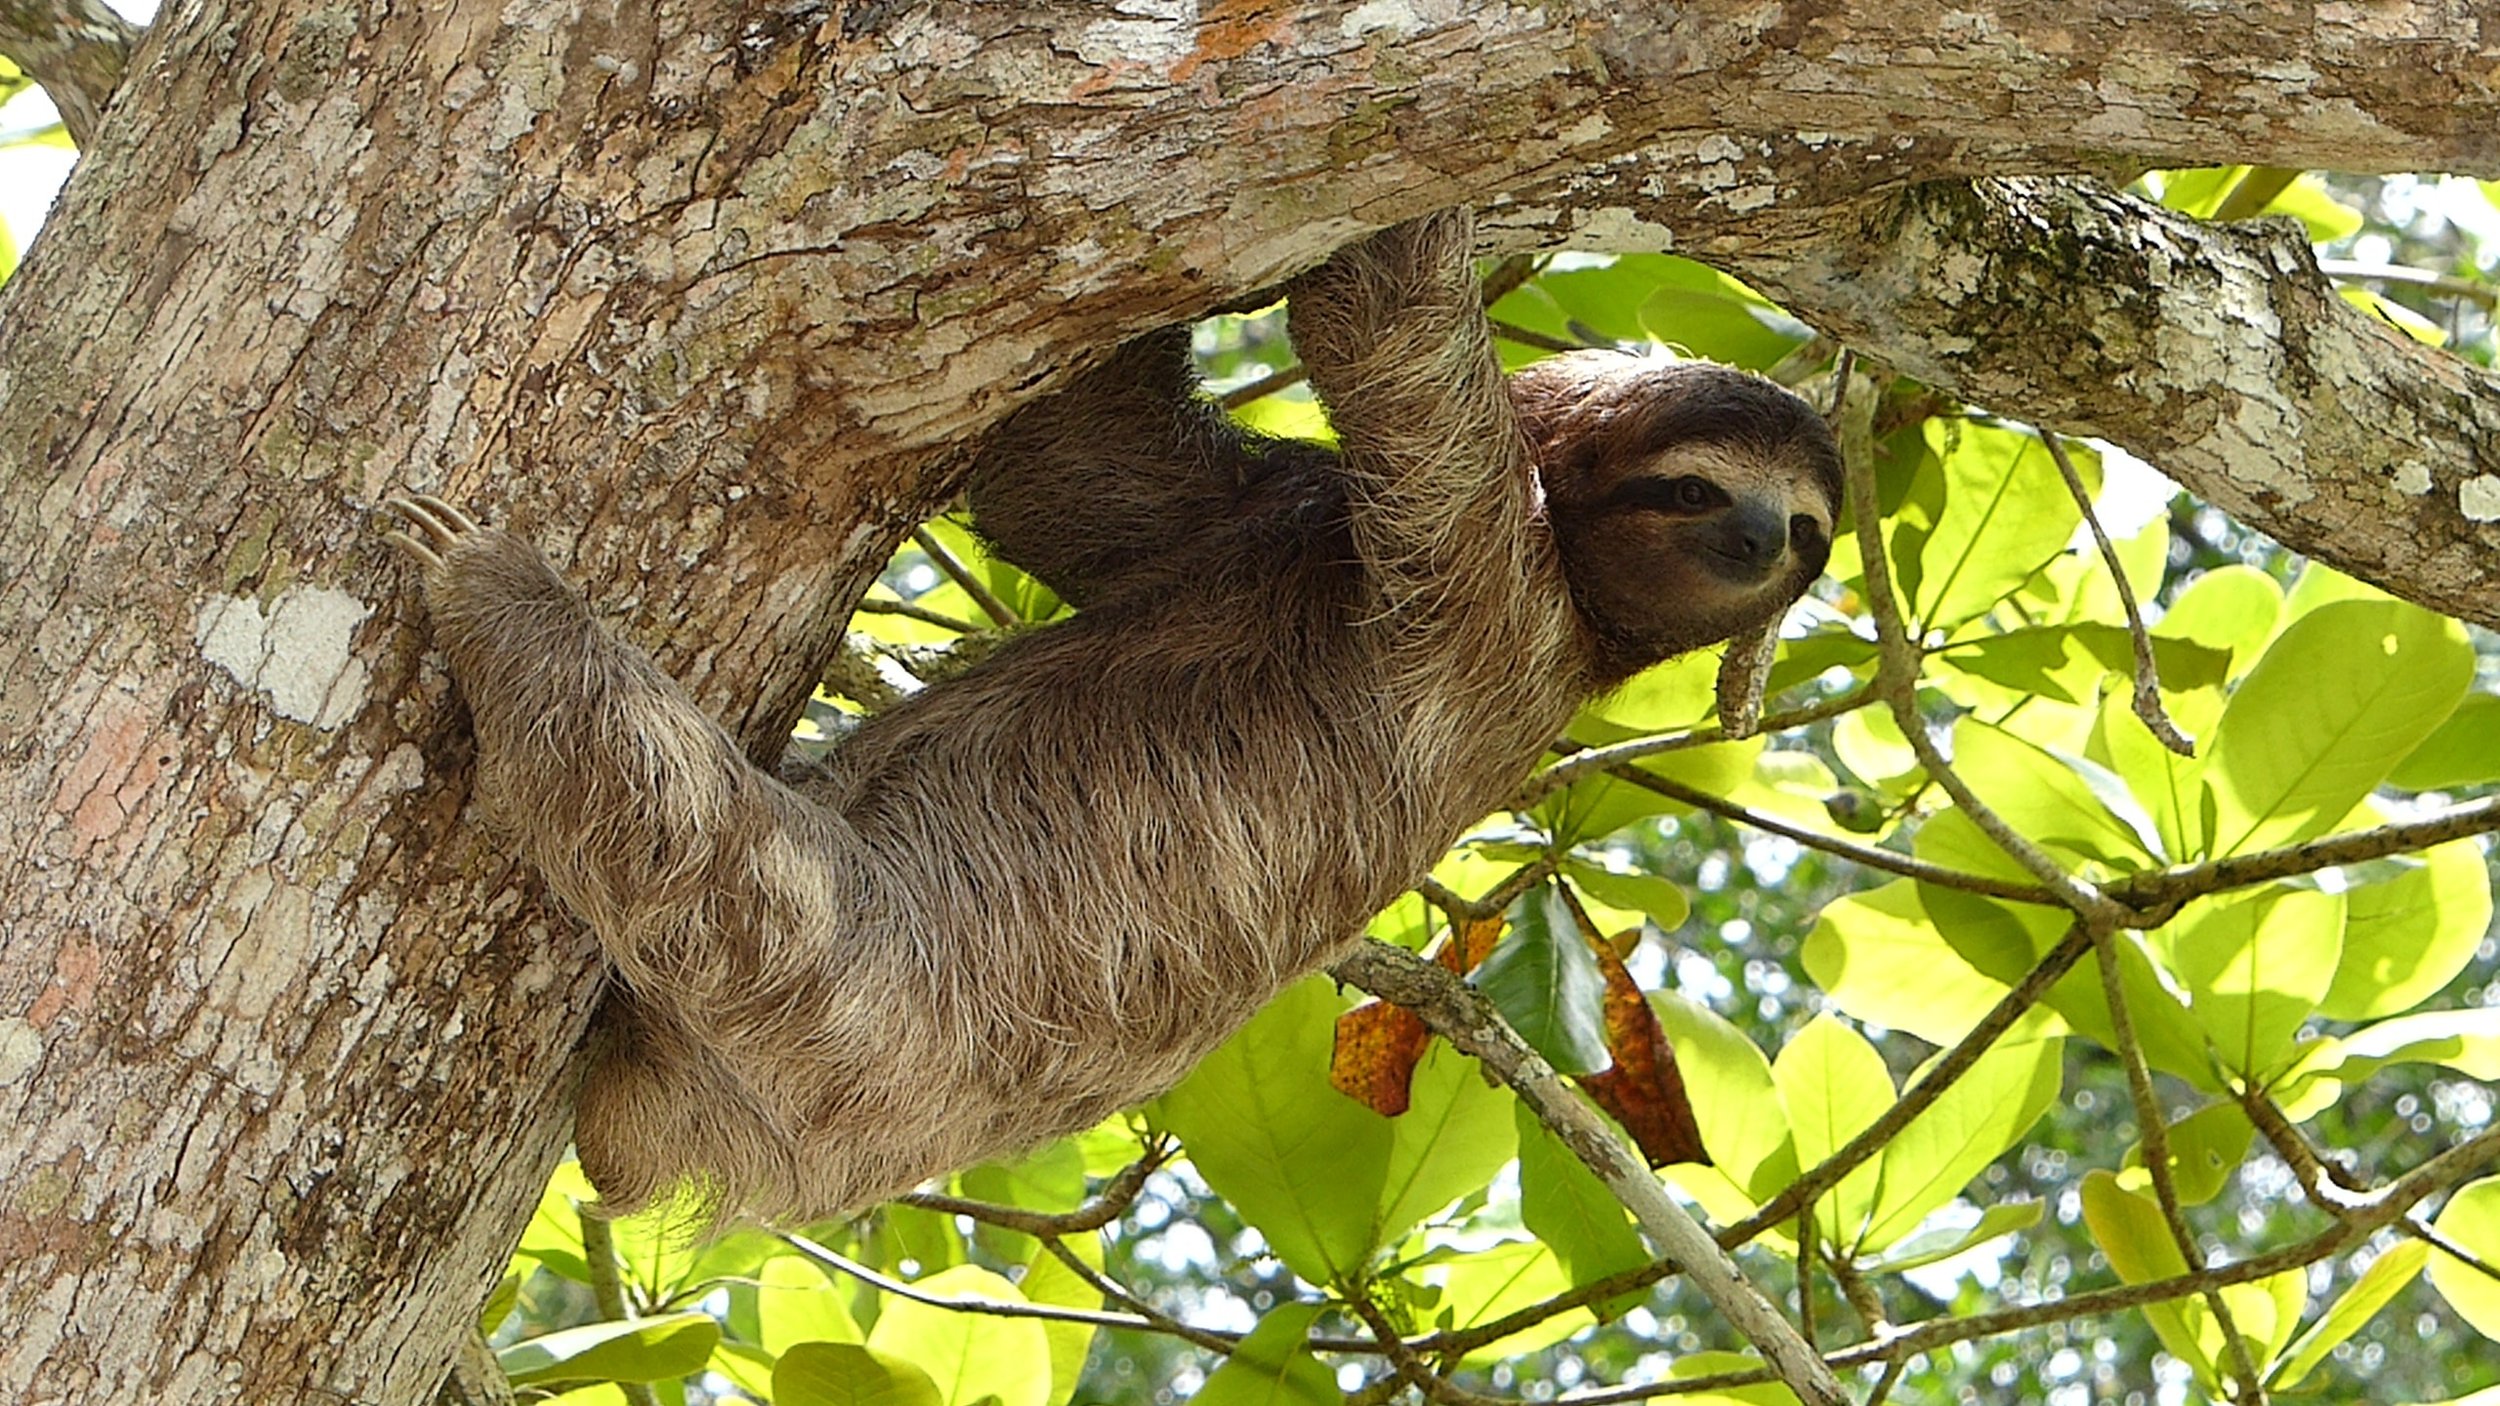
2406	935
1545	982
2382	1281
1047	1280
1483	1285
967	1354
1564	1204
795	1303
2064	803
846	1374
1662	901
1878	956
2467	1041
2254	965
1453	1137
1943	1243
1985	1112
1734	1095
2005	514
1271	1367
554	1235
1831	1085
2339	699
2130	1231
2205	1148
499	1303
2070	663
2471	1222
2465	751
1299	1160
654	1349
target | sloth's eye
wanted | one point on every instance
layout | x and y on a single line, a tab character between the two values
1683	496
1804	533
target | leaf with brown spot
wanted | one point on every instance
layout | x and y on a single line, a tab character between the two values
1378	1044
1377	1047
1644	1091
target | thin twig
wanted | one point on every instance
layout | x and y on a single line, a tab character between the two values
1579	760
2430	1235
1000	613
2171	886
1530	337
607	1290
2147	673
910	610
1889	861
1496	900
1412	1369
1916	1099
1896	679
960	1303
1101	1209
1120	1293
2472	290
1267	385
2153	1135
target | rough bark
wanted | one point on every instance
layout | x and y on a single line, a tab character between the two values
700	298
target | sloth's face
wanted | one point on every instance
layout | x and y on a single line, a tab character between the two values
1690	503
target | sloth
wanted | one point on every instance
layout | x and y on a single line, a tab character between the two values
1038	892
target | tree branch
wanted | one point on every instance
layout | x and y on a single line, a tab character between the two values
77	49
1458	1014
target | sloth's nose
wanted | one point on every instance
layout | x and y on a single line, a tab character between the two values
1752	538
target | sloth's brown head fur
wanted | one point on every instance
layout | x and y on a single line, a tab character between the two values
1689	501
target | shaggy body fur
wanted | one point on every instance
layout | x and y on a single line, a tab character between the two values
1039	892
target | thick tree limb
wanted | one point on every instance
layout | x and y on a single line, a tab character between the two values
702	296
77	49
2216	352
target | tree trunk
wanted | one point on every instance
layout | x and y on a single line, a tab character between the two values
700	299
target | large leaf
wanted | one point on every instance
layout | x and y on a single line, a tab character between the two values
2254	965
1300	1161
1985	1112
1483	1285
2383	1280
1735	1099
2130	1231
2340	698
2407	934
2005	514
2063	803
969	1355
794	1303
1878	956
1832	1084
1048	1281
2465	751
846	1374
1453	1137
1568	1208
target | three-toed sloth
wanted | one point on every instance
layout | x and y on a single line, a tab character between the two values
1039	891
